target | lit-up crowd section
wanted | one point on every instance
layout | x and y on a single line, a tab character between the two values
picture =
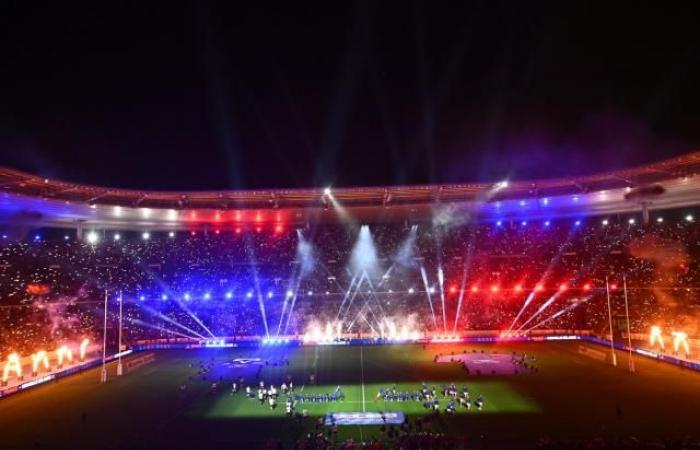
318	282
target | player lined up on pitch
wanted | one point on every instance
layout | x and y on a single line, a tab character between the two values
431	400
269	395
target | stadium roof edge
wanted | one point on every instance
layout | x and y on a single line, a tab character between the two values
37	198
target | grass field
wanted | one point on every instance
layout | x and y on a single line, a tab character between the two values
570	396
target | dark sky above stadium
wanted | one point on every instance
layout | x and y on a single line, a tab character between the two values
188	95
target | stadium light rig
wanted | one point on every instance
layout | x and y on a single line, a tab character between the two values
445	339
275	341
92	238
215	343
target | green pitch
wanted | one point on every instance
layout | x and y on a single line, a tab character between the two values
571	395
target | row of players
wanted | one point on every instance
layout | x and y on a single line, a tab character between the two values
270	395
430	399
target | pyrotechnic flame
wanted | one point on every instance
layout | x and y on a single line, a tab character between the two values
40	357
656	336
13	364
64	352
338	330
83	348
680	339
406	331
331	331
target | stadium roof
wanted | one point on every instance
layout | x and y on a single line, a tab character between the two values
33	200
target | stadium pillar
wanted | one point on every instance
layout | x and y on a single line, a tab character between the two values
612	334
79	230
103	374
120	369
645	213
629	328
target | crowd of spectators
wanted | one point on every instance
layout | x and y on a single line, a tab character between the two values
242	282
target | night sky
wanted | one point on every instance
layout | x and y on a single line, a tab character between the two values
261	94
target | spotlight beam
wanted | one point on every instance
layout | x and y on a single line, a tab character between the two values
369	307
292	282
352	298
547	272
559	313
539	310
168	319
167	330
441	282
529	298
261	302
291	307
376	299
345	297
461	297
370	325
351	323
194	316
427	292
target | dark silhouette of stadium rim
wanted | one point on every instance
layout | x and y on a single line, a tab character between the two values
30	200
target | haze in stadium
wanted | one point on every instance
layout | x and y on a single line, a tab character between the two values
359	225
